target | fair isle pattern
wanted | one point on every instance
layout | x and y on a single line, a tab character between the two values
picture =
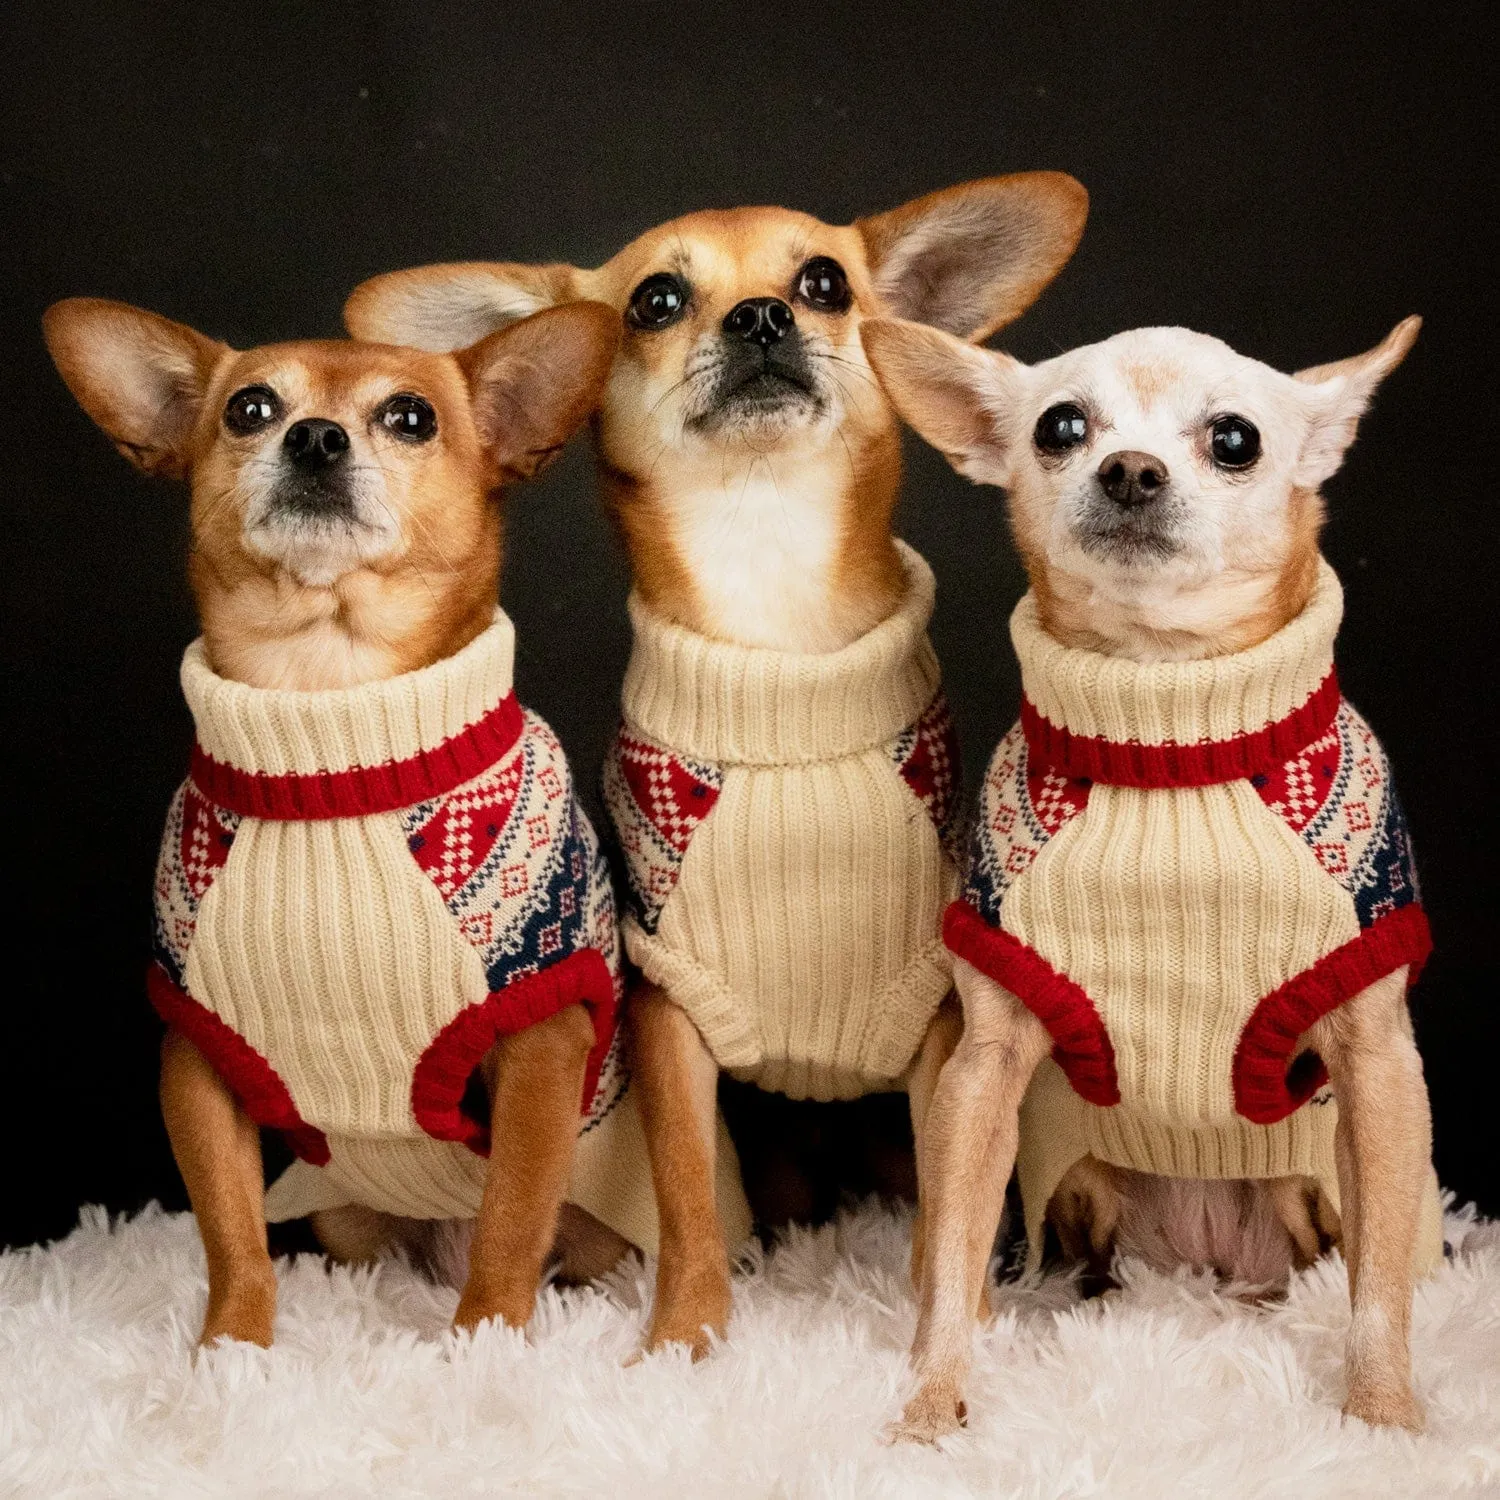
1021	807
1339	795
516	861
657	800
193	850
927	757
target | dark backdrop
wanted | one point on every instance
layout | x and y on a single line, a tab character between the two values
1290	176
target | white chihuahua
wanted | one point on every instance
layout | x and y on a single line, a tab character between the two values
1189	882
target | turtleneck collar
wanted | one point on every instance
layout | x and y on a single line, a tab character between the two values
740	705
350	752
1180	723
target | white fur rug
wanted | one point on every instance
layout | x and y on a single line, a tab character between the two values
1163	1389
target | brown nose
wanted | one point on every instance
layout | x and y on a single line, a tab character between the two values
1132	479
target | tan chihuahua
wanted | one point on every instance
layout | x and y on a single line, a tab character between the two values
1190	901
781	707
370	816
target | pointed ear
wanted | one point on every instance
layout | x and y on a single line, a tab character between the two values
140	377
1337	396
535	382
971	258
442	308
956	396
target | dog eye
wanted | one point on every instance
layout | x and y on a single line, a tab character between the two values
410	418
251	409
1061	427
657	301
1234	443
821	283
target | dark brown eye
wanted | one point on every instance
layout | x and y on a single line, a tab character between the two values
1060	427
409	418
1234	443
821	283
251	409
658	301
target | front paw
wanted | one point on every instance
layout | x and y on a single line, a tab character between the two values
1385	1406
511	1305
245	1313
693	1311
935	1411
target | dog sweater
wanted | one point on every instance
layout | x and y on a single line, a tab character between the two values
784	819
358	892
1179	868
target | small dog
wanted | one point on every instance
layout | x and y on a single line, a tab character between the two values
783	727
1190	898
376	885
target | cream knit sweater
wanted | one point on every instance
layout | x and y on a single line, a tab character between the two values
783	819
358	892
1179	868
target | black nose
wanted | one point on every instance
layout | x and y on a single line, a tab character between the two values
314	444
1132	479
760	320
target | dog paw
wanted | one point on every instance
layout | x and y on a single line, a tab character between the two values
480	1304
1385	1406
694	1312
246	1316
934	1412
698	1337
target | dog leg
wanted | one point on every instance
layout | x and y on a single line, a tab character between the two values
217	1147
1085	1210
937	1047
534	1126
678	1079
1386	1125
968	1153
1305	1212
586	1247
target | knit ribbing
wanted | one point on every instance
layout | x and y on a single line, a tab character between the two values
278	733
740	706
1187	703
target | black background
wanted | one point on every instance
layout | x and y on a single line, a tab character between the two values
1289	176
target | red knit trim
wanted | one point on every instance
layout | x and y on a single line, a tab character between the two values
1269	1081
362	790
1081	1045
444	1069
254	1082
1118	763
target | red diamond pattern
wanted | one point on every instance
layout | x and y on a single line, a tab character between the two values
674	799
462	830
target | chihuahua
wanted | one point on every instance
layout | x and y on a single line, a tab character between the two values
1189	903
377	888
782	709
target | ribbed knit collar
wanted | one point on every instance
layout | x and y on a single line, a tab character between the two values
1180	723
353	751
740	705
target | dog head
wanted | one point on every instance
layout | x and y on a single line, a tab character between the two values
1164	490
741	370
329	474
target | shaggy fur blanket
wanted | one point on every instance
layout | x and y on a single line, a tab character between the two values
1164	1388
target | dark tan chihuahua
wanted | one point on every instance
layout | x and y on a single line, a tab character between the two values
346	542
752	464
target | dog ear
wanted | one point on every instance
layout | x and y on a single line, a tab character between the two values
449	307
1336	397
971	258
535	381
142	378
954	395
